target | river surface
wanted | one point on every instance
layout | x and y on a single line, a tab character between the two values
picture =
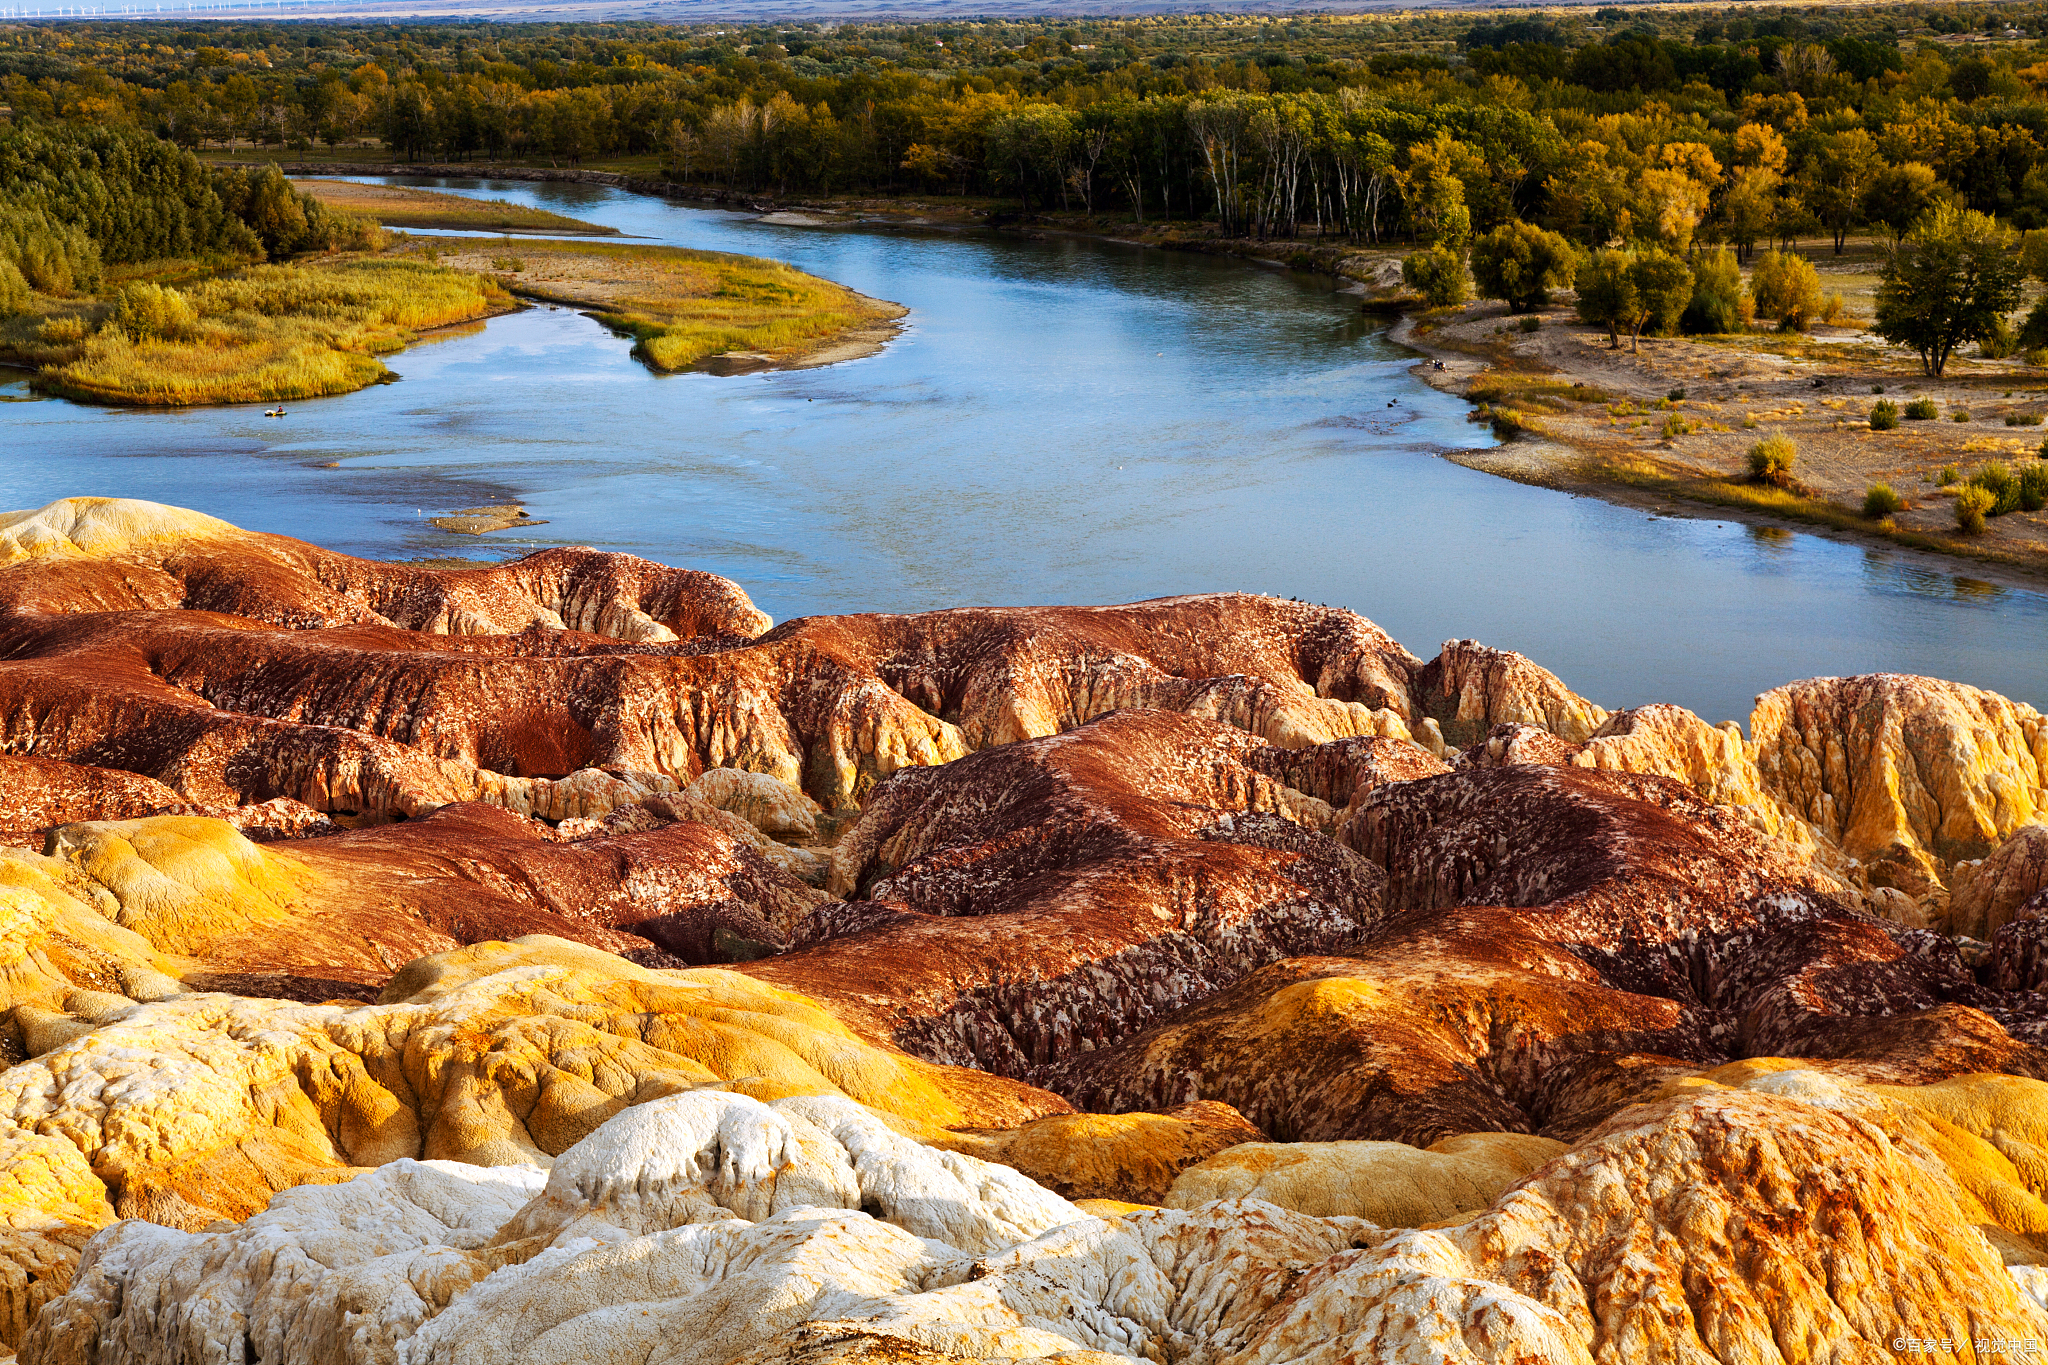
1060	422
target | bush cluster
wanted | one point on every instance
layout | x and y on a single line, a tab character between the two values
1884	415
1771	459
1922	410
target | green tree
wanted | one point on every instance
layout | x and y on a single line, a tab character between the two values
1898	195
1717	305
1950	280
1840	178
1437	274
1520	263
1643	289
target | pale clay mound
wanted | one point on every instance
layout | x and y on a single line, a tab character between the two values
1290	893
1788	1217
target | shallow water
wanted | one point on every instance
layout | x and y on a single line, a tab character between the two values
1060	422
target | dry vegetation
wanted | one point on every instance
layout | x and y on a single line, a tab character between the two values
269	332
1678	419
405	207
687	307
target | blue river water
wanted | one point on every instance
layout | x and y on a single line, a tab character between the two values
1060	422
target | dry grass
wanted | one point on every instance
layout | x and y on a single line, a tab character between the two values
268	333
402	206
685	306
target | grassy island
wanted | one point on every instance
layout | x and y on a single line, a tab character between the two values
258	334
689	308
132	273
401	206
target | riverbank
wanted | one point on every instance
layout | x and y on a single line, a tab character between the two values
1372	272
402	206
688	309
1669	425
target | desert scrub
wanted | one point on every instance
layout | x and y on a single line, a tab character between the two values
1880	500
1675	426
1972	503
1771	459
1998	480
1922	410
1949	475
271	332
1959	415
2034	488
1531	324
509	264
1884	415
2023	419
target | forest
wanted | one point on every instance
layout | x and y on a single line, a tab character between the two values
1662	125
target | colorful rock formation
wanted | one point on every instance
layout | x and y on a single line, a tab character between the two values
553	961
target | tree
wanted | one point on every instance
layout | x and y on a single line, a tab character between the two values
1898	195
1840	178
1950	280
1646	288
1521	264
1786	288
1607	296
1717	305
1438	274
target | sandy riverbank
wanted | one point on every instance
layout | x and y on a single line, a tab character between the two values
1669	425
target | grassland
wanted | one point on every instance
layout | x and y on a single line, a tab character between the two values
691	308
404	207
262	334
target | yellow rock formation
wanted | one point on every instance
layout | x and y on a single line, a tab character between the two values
1908	775
1986	895
1389	1183
99	528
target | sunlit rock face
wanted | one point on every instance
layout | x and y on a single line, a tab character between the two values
556	962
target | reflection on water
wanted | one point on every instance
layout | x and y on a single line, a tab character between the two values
1061	421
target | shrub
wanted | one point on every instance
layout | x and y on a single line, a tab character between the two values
1675	426
1922	410
508	263
1880	501
1884	415
1998	481
1717	303
1959	415
2038	358
1520	263
61	331
1438	275
1786	288
1532	324
2023	419
148	311
2034	331
1676	395
1971	505
1833	310
13	289
2034	488
1877	388
1771	459
1949	475
1998	340
55	258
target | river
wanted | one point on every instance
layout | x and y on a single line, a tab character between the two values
1061	421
